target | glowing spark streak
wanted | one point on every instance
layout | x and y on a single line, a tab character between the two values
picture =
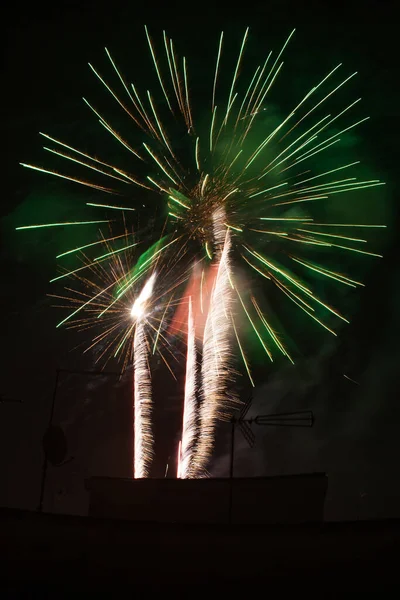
268	169
327	172
344	225
286	291
303	219
255	111
115	251
82	306
342	237
157	185
339	115
297	200
269	232
228	111
323	99
254	267
236	72
167	365
357	185
326	306
215	370
268	190
212	128
242	352
91	244
321	187
120	76
60	224
245	96
279	127
310	93
128	333
178	83
319	321
164	137
160	164
75	150
88	266
91	185
84	164
185	79
360	187
167	51
197	154
203	185
109	206
208	251
122	105
350	379
358	251
308	141
331	274
157	69
110	129
216	70
325	187
308	155
146	187
142	405
336	135
189	430
270	330
291	295
179	202
281	52
258	102
254	327
303	239
232	227
160	326
230	193
158	252
248	111
143	113
277	270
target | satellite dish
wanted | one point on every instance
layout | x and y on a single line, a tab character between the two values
55	445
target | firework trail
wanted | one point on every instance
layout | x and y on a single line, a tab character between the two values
216	368
190	417
143	435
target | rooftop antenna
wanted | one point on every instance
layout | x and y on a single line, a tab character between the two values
300	418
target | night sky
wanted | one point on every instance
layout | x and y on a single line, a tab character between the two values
355	437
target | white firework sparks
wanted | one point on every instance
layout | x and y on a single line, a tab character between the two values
189	431
216	370
142	386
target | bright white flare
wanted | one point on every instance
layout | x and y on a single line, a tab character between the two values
189	430
139	306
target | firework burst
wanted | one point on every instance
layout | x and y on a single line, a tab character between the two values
241	190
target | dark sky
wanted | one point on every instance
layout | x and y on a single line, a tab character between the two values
45	75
